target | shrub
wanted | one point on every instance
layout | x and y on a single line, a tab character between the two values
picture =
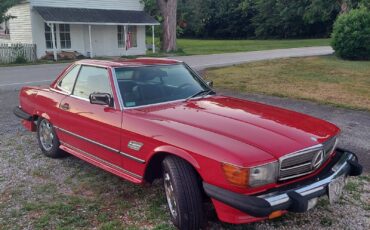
20	60
351	35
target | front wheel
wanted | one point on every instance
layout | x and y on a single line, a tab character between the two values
47	139
183	193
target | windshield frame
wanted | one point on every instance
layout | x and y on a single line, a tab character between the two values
187	67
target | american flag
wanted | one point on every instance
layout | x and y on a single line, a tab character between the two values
128	42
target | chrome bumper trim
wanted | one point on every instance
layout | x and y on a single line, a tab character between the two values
340	168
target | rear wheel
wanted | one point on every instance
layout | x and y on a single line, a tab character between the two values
47	139
183	193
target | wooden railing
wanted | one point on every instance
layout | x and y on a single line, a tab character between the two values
17	53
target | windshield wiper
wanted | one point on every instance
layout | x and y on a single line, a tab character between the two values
202	92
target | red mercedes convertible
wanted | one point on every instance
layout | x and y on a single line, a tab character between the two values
144	119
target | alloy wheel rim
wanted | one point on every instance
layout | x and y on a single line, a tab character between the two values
170	195
46	135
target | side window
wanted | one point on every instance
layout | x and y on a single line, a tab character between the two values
66	84
92	80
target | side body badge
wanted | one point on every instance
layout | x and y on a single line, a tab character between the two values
135	145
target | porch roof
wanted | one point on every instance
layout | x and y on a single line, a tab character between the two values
94	16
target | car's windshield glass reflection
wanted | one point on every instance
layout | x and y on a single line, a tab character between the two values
157	84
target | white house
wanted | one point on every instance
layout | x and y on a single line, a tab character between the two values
90	27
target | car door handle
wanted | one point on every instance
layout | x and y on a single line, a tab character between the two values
65	106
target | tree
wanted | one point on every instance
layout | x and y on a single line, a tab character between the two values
4	6
165	11
168	9
351	35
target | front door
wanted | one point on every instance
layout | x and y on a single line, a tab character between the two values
88	128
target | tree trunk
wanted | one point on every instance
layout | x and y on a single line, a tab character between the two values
344	8
168	10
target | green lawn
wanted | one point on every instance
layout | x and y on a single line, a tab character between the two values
199	46
327	79
196	46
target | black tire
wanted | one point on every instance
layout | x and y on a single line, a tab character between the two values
186	193
53	150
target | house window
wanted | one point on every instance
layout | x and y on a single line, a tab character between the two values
121	37
65	36
132	31
48	37
132	34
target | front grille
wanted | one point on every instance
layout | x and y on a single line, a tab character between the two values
305	161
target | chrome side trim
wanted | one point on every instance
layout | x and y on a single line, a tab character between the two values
102	161
141	161
59	91
87	139
80	98
132	157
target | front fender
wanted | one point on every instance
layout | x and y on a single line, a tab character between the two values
177	152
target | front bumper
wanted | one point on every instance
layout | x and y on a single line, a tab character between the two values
22	114
294	197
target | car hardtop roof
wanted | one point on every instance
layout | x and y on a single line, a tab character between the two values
129	62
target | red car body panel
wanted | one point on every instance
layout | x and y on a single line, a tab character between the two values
205	132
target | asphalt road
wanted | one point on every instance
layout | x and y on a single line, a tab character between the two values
16	77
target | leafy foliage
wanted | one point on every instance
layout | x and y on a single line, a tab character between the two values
257	18
351	35
4	6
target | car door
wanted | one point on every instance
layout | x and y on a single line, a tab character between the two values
93	130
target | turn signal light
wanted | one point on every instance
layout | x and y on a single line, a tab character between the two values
236	175
275	214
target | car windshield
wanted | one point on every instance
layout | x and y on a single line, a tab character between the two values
157	84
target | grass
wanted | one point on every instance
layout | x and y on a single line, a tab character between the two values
71	194
200	46
196	46
327	80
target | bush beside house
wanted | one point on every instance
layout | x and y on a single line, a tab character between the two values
351	35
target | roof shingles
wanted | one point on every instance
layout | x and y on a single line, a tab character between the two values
94	16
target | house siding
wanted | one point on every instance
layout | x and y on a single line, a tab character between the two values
105	41
28	27
20	27
92	4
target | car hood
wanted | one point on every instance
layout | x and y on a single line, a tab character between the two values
273	130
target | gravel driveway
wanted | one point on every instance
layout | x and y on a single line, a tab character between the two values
35	190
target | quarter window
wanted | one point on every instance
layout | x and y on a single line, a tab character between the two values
92	80
66	84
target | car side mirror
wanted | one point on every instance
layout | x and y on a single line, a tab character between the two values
210	83
101	99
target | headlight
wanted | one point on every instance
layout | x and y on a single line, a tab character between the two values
251	177
264	174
